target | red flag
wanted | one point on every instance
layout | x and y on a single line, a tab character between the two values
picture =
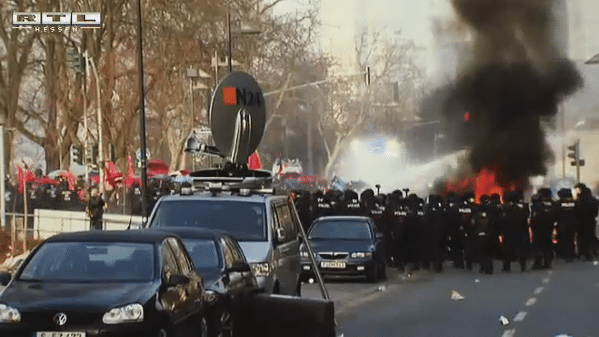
21	177
70	177
254	161
24	177
111	173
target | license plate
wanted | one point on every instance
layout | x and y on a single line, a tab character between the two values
333	264
60	334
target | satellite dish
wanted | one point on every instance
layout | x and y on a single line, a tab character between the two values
237	116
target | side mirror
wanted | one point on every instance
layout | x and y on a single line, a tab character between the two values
239	267
280	234
177	279
5	278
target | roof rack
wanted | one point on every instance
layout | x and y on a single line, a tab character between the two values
234	178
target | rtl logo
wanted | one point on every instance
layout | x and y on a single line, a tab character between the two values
53	19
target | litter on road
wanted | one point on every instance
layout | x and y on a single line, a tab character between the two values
503	320
456	296
477	280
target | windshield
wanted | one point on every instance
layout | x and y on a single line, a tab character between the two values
242	220
91	262
203	253
340	230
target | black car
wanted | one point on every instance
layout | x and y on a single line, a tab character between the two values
229	280
345	245
105	284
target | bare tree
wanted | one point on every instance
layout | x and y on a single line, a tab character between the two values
350	105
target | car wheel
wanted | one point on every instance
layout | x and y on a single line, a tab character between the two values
372	274
383	271
226	325
298	288
164	332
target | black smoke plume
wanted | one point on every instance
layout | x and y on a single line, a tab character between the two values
516	76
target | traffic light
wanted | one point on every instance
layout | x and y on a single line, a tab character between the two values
574	153
76	153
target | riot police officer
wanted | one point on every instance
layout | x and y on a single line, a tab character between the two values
514	224
566	224
542	224
413	236
456	232
467	210
586	210
399	231
437	231
485	234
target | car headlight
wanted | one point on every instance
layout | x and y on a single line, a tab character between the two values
361	255
304	254
128	314
260	269
211	296
9	315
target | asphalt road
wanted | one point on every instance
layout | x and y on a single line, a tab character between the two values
561	301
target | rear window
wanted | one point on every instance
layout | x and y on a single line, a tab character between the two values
245	221
203	253
340	230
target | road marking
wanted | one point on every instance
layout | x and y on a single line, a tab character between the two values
538	290
546	280
531	301
520	316
509	333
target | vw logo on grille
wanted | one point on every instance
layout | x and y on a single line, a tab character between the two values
60	319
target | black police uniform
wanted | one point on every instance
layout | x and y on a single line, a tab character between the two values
542	224
467	211
515	232
399	232
566	225
586	209
485	234
437	230
457	235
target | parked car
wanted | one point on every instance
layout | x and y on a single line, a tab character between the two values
266	226
105	283
227	276
345	245
237	306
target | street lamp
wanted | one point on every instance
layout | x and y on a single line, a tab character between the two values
243	30
192	74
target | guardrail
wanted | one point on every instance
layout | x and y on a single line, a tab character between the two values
44	223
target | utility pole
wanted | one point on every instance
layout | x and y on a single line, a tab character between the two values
86	133
142	116
2	178
99	116
230	38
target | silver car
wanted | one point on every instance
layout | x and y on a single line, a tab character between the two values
265	225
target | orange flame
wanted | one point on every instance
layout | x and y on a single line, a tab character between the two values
486	183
